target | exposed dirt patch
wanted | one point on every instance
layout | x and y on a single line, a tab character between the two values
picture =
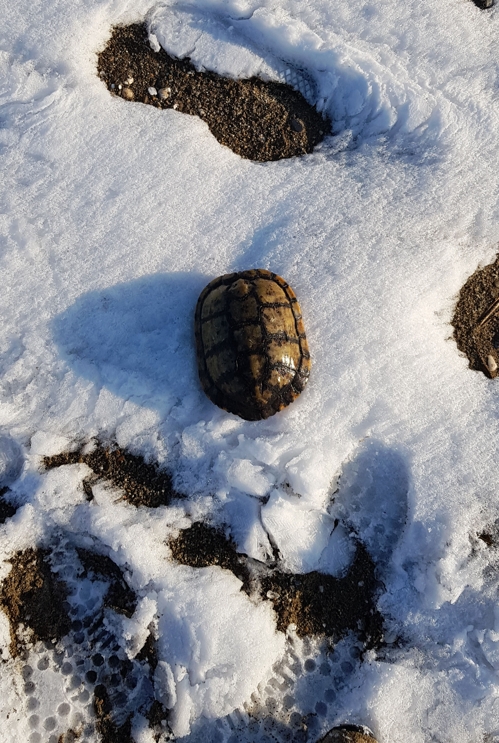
258	120
316	603
490	535
142	484
33	597
348	734
119	596
319	604
201	546
109	731
489	538
6	509
476	320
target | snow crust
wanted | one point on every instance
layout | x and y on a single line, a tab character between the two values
114	216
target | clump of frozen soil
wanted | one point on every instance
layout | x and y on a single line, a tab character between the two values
476	320
142	483
201	545
316	603
258	120
34	599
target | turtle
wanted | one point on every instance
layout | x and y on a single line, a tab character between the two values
252	352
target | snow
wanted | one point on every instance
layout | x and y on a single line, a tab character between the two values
113	218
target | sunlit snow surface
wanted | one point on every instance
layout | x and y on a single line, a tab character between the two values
114	217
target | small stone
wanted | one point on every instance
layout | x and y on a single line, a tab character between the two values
129	81
127	93
164	93
296	125
152	91
491	364
496	283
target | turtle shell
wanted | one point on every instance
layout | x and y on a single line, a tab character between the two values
252	351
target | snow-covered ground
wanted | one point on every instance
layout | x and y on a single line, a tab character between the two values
114	216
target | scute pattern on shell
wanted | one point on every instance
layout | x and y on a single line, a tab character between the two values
253	357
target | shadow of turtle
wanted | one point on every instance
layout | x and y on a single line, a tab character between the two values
136	338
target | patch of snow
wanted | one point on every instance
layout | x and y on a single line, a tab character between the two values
115	215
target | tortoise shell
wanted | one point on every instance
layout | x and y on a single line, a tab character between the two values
252	351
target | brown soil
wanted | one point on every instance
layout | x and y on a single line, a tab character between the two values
109	731
142	484
319	604
201	546
33	597
316	603
119	596
6	509
258	120
475	335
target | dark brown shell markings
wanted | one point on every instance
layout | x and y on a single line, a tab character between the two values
252	352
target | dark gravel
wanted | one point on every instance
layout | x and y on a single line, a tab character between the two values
478	341
258	120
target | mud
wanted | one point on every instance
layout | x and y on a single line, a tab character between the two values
317	604
477	335
258	120
141	483
33	598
